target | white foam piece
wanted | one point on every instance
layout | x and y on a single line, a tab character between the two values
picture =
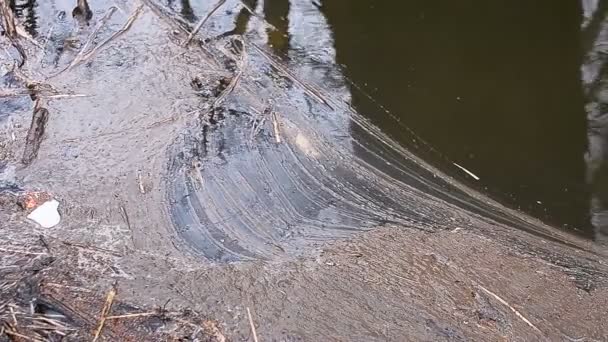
46	215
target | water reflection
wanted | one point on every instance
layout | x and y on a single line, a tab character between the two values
26	10
492	86
594	75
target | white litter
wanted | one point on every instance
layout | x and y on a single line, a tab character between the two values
46	215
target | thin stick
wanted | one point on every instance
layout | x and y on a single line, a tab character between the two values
14	318
102	22
46	42
203	21
105	311
79	57
140	183
8	22
253	13
20	252
504	302
63	96
467	171
117	34
275	126
134	315
83	56
255	335
308	88
235	80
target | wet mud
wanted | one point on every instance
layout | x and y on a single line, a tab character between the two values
226	175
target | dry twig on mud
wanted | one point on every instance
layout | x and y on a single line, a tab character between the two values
46	42
117	34
517	313
102	22
107	306
241	65
10	28
258	123
253	332
83	55
140	183
8	19
275	127
203	21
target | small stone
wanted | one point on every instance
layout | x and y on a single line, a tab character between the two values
33	199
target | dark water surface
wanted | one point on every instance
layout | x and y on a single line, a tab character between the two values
494	86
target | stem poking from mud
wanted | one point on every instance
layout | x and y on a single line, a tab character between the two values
107	306
203	21
253	332
35	133
517	313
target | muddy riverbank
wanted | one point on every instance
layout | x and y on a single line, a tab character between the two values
205	179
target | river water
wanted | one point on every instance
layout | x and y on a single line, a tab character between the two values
494	87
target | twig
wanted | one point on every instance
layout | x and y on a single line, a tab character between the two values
308	88
90	248
21	252
83	56
503	302
46	41
117	34
14	318
73	288
125	217
242	65
253	13
106	17
275	126
8	19
8	22
140	183
29	92
467	171
255	335
107	306
134	315
63	96
203	21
